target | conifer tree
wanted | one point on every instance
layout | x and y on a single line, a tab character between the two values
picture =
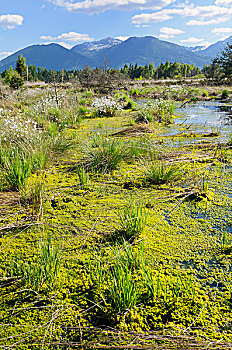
21	67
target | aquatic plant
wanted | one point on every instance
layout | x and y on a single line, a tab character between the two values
160	111
161	173
106	157
115	281
139	149
83	176
15	167
132	218
42	272
32	196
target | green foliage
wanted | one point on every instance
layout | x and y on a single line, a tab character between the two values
15	81
83	176
162	173
41	273
123	289
33	197
21	67
106	157
114	281
170	282
164	70
132	219
225	94
15	166
224	61
164	110
169	290
127	280
141	148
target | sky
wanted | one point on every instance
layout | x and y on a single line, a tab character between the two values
70	22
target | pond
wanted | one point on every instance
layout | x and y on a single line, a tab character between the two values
206	116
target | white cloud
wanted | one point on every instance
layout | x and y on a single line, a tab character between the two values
5	54
123	38
156	17
167	33
66	45
165	36
70	37
223	2
97	6
171	31
194	22
192	40
220	31
199	13
11	21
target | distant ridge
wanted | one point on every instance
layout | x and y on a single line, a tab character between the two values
214	49
140	50
94	47
143	50
52	56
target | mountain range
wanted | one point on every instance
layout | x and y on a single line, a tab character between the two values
113	52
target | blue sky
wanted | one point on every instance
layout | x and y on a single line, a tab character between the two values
69	22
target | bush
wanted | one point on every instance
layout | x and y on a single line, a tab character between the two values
16	81
225	94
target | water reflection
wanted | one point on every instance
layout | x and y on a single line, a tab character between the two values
214	114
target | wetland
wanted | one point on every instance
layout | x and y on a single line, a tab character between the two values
116	222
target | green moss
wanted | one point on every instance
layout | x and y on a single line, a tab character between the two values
186	245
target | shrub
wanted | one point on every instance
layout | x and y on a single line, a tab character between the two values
16	81
225	94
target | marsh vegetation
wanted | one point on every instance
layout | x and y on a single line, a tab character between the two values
115	217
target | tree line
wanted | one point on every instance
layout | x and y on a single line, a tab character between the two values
163	71
219	70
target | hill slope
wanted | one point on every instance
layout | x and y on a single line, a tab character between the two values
52	56
214	49
149	49
140	50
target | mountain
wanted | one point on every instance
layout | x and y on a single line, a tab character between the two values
140	50
94	47
52	56
214	49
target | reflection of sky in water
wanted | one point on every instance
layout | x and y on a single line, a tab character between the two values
209	114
